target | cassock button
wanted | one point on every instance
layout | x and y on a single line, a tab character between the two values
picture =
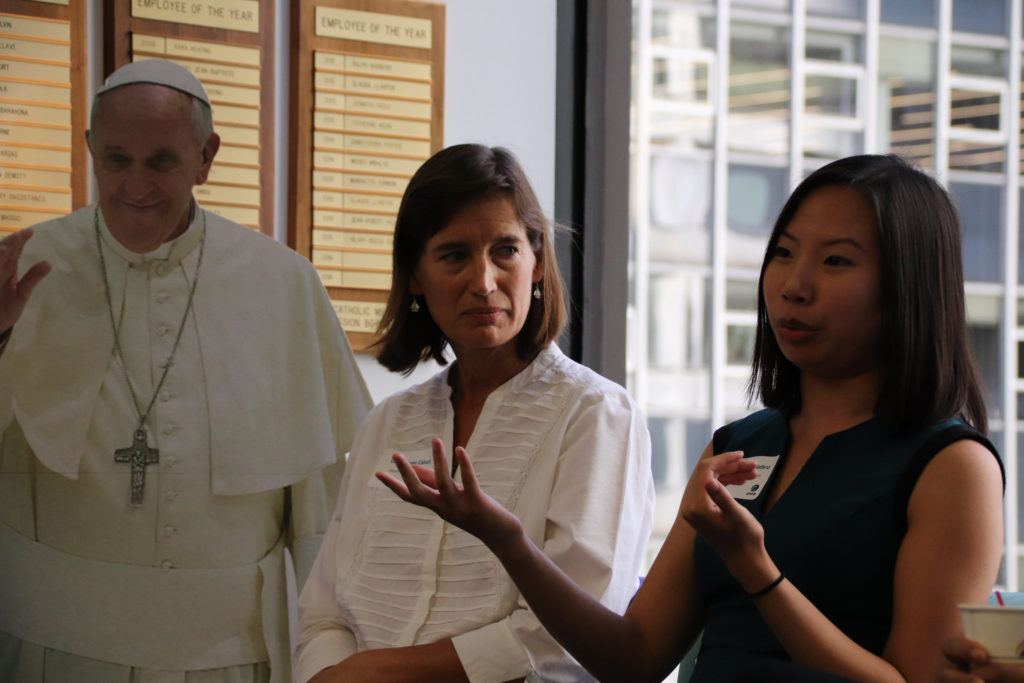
161	297
170	461
169	531
160	269
169	429
171	496
166	565
162	330
167	396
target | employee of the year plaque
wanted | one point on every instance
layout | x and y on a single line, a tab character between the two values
367	111
43	167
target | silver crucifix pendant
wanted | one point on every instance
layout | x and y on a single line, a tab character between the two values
139	454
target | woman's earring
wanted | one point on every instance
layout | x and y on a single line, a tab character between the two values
536	291
415	305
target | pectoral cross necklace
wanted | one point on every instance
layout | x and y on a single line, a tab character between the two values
139	454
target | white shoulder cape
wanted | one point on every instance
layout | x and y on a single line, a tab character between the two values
285	395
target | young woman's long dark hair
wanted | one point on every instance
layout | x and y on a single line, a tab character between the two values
928	368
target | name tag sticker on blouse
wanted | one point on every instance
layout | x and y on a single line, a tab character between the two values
752	489
386	464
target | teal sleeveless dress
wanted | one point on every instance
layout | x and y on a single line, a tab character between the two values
835	532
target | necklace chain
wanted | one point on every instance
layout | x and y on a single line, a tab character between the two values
144	415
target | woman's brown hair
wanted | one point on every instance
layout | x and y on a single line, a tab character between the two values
448	182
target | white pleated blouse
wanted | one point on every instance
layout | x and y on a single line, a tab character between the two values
563	448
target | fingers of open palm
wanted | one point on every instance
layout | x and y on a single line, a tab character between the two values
396	486
466	471
737	477
426	475
442	478
730	463
418	492
10	251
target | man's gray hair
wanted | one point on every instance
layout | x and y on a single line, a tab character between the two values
202	118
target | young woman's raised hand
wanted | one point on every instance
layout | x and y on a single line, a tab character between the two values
710	509
465	505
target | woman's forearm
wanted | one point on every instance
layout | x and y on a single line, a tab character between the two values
811	639
609	645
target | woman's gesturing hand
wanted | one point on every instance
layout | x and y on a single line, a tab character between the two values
465	505
710	509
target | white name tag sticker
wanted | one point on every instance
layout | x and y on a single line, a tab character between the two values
387	464
752	489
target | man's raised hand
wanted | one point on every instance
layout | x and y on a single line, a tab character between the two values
14	293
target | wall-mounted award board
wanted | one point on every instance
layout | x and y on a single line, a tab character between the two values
229	46
366	110
43	158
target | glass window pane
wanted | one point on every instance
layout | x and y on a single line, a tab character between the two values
679	335
1021	121
780	5
741	295
906	99
831	95
910	12
759	89
736	402
684	24
846	9
695	439
981	16
1020	270
680	80
834	47
974	109
680	201
981	212
1020	489
684	132
985	338
826	144
662	443
756	194
971	156
739	345
978	61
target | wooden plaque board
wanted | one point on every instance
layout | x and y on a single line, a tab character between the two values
367	109
43	157
229	46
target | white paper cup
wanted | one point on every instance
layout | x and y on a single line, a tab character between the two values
999	629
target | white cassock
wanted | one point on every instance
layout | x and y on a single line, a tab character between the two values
259	405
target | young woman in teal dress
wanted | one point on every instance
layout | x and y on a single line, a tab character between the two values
875	506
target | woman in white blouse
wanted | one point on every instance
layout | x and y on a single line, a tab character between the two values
397	594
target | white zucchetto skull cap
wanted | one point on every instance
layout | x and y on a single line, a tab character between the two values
157	72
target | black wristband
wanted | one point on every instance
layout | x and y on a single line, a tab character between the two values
767	589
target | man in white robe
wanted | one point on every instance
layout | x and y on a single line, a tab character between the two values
166	564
